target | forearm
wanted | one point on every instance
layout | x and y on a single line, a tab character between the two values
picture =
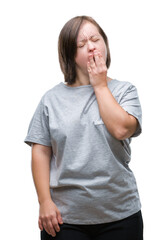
41	172
116	119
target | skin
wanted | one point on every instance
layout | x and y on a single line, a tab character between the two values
89	41
91	69
49	214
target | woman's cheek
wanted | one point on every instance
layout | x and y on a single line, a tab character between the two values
104	53
81	60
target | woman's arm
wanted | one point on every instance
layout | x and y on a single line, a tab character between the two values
49	216
40	170
118	122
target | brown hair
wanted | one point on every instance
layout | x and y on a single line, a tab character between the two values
67	46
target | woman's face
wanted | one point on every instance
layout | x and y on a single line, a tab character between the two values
88	40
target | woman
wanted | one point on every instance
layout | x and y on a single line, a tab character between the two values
80	135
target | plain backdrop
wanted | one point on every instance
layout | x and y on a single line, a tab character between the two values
29	67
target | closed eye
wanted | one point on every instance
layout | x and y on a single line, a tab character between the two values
95	39
81	45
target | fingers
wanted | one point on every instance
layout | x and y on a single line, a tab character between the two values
49	228
96	63
50	223
55	224
92	62
98	58
89	67
59	218
97	70
47	224
40	224
49	217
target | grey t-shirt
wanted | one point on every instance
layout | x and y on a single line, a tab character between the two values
90	179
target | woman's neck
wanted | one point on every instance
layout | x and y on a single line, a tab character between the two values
83	81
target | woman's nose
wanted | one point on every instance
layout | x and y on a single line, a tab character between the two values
91	47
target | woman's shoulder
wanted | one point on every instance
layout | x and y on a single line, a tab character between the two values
51	92
119	85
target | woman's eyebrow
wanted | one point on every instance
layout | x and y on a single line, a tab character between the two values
84	39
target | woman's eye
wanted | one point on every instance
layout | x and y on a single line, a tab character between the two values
95	39
81	45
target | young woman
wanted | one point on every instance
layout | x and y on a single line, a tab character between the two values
80	135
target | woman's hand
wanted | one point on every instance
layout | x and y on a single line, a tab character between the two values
97	70
49	217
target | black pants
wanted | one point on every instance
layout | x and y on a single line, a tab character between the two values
130	228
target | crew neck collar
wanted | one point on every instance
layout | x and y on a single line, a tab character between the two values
81	86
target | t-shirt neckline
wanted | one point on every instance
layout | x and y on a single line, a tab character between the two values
82	86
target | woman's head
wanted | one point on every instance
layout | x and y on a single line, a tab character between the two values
80	36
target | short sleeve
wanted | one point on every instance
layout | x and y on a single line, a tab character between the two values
38	130
130	103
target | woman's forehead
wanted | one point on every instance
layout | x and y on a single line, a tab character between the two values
87	30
